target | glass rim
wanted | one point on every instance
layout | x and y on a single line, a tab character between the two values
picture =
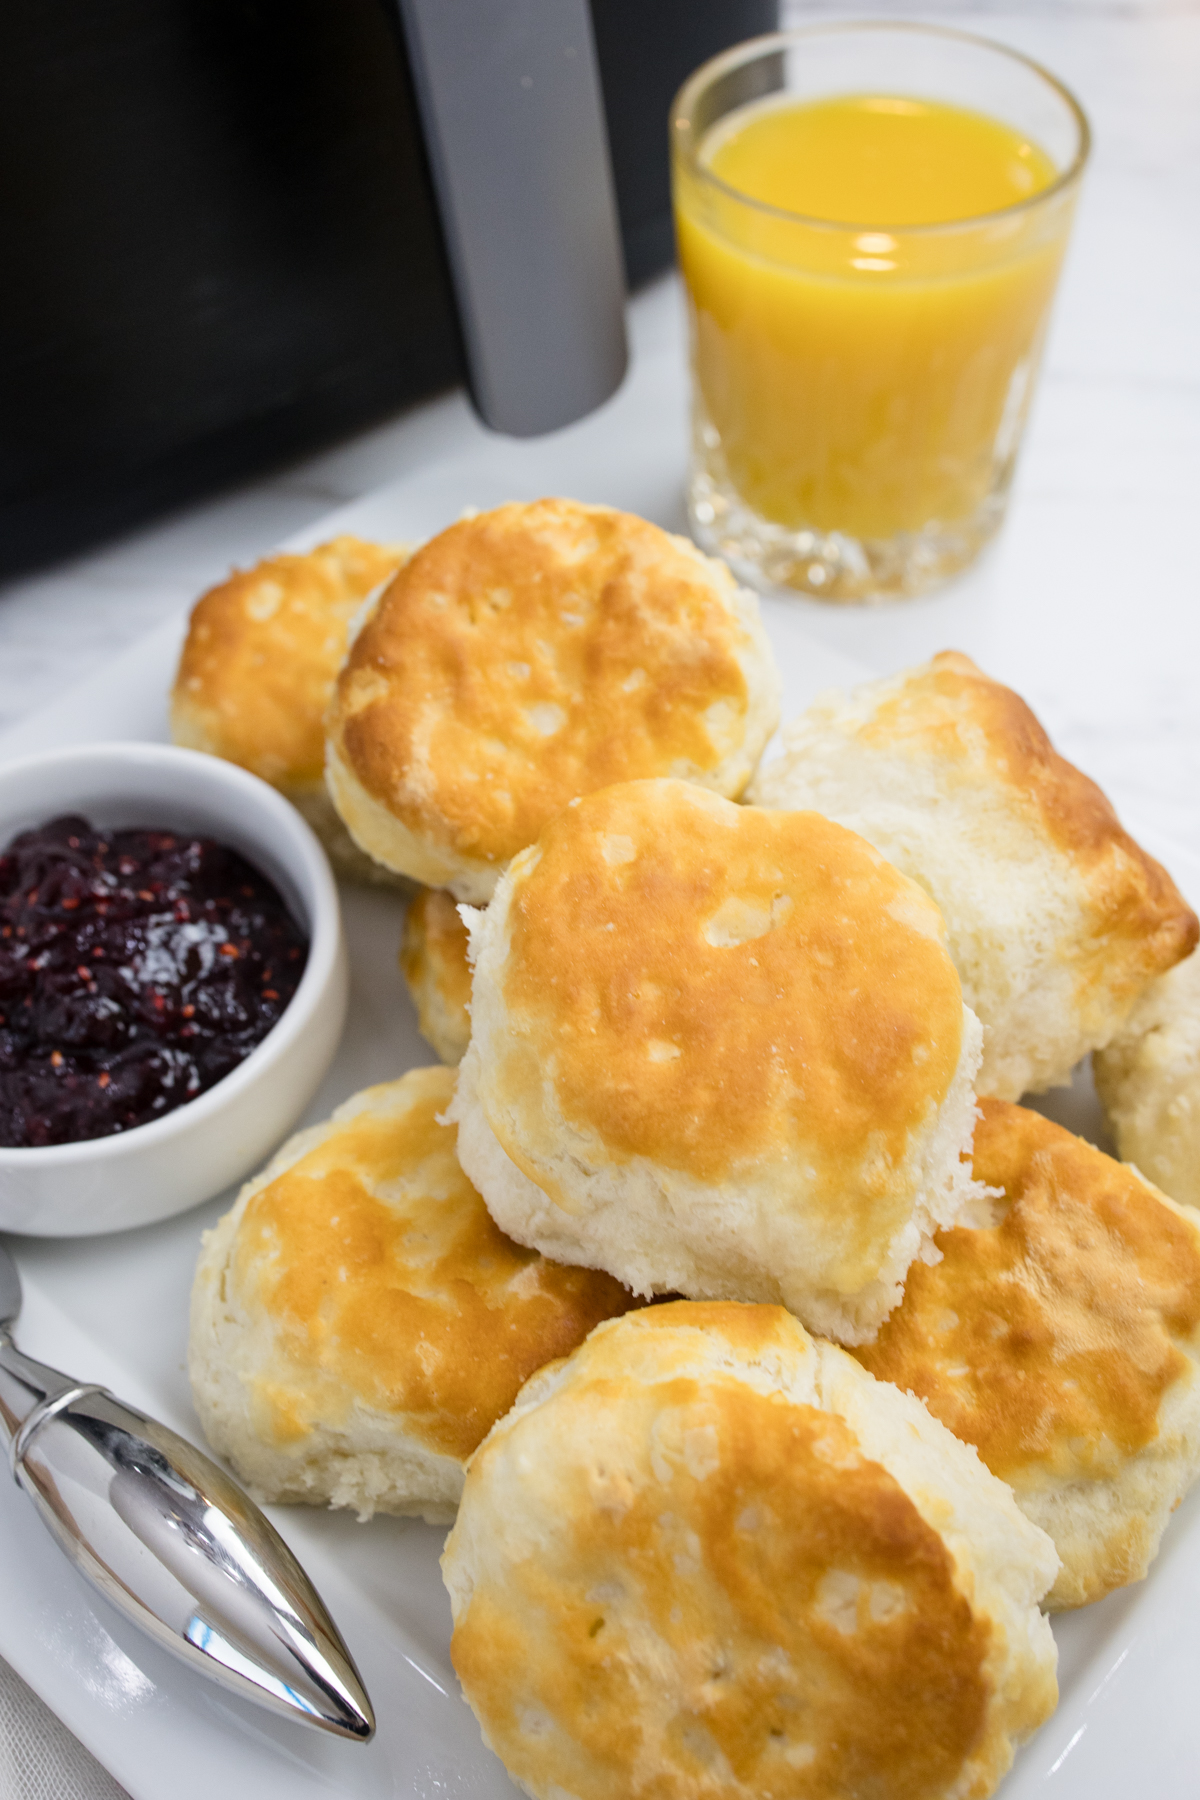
752	48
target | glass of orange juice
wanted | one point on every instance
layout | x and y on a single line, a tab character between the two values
871	221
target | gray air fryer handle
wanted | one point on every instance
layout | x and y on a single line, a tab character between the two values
510	100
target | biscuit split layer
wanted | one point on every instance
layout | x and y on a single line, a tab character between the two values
718	1051
1149	1080
708	1555
358	1321
1057	920
530	654
433	961
1064	1343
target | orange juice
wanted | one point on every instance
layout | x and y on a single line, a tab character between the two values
869	292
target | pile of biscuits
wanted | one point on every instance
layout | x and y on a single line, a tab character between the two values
779	1371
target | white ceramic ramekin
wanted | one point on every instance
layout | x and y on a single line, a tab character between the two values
106	1184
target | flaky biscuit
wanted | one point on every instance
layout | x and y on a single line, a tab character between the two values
530	654
258	667
1149	1080
1057	920
709	1556
718	1051
433	961
359	1323
1063	1341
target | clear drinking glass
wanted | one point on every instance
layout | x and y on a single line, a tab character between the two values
860	388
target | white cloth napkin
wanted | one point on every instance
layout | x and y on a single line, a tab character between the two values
39	1758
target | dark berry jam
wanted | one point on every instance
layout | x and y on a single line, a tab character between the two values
136	969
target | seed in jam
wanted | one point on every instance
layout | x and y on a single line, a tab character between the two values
136	969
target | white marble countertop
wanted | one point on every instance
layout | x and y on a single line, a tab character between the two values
1088	602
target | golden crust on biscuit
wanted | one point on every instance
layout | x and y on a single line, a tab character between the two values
530	654
1134	904
258	667
1064	1343
433	961
359	1303
738	1009
696	1560
261	654
769	985
1057	918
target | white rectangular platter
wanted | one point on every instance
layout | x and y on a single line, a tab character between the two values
114	1310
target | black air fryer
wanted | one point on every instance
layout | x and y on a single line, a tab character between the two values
222	239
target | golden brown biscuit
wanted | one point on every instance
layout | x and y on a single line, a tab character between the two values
707	1556
258	667
359	1323
1149	1081
718	1051
1064	1343
531	654
433	961
1056	919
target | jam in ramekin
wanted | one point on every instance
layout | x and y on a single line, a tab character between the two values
137	968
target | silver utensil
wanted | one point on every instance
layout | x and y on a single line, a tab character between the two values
172	1542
